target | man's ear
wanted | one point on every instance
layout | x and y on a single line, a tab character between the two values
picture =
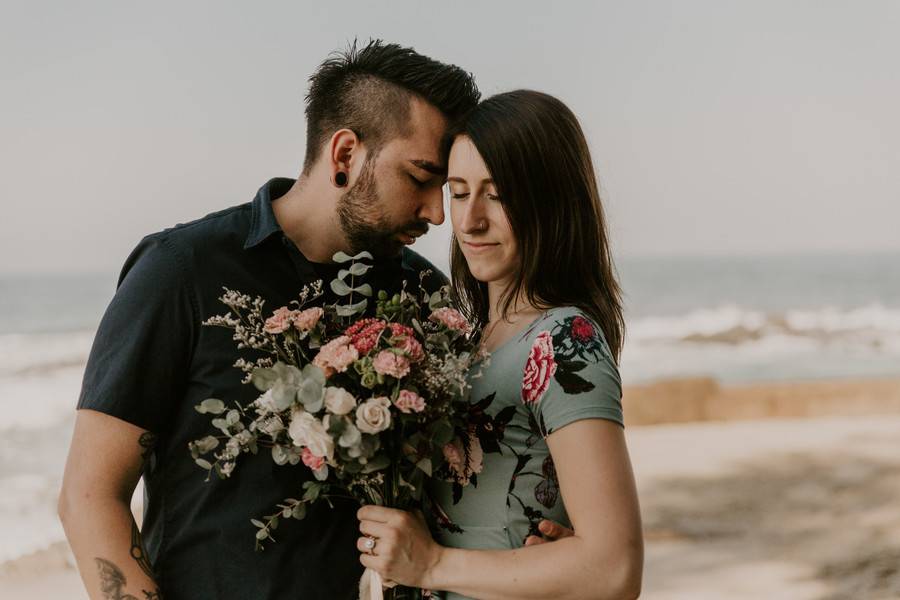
345	154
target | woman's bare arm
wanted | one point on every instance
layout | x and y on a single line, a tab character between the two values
603	559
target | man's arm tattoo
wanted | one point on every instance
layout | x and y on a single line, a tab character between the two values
112	583
148	443
138	553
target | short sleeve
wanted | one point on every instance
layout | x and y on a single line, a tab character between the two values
570	375
139	362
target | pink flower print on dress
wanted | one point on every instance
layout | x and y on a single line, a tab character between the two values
539	369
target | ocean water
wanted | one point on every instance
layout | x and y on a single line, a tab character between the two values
739	320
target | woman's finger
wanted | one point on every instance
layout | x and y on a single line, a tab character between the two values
375	529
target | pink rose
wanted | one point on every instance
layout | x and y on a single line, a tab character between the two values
311	460
582	329
451	318
539	369
336	356
389	363
305	320
280	321
409	402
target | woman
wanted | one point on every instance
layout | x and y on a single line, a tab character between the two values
531	264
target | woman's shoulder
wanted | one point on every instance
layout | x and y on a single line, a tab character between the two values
566	325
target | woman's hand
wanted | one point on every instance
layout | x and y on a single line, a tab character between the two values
404	551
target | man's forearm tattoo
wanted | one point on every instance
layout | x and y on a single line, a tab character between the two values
138	553
112	583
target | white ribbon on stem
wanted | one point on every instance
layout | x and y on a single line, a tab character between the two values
371	585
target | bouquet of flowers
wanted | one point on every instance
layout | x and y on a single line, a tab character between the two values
370	406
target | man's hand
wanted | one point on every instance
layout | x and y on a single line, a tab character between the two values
551	531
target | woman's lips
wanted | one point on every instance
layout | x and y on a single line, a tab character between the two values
478	247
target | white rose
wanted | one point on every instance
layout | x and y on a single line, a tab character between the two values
339	401
374	415
306	430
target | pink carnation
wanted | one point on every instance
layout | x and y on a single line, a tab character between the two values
389	363
404	338
451	318
280	321
336	356
409	402
311	460
411	347
305	320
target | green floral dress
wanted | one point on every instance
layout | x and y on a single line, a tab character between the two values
557	371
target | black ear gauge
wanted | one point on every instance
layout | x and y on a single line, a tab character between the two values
340	179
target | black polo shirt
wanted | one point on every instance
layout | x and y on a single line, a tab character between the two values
152	361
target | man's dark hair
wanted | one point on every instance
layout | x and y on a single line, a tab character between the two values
368	89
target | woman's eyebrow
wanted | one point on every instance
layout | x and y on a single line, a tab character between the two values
461	180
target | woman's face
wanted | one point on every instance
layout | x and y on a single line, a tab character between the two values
479	221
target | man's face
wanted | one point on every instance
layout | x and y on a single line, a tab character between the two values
398	194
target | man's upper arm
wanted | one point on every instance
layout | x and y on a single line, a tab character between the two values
106	457
139	362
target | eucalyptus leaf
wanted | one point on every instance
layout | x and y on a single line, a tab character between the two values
258	523
314	372
311	395
358	269
339	287
299	511
365	289
203	463
362	255
211	406
342	274
352	309
263	379
341	257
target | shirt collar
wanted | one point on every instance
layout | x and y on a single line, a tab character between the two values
263	223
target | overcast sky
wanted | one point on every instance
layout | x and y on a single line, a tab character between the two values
717	127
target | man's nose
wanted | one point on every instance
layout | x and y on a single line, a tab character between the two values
433	208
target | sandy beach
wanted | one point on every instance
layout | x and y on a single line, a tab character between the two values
772	491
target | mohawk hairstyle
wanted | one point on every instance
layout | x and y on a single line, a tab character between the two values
368	89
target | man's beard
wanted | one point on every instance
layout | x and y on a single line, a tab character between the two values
364	224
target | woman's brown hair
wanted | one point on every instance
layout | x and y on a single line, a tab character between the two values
537	154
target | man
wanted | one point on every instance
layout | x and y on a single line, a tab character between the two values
371	180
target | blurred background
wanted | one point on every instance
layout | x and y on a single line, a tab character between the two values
749	157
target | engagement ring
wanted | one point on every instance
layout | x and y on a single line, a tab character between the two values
370	545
